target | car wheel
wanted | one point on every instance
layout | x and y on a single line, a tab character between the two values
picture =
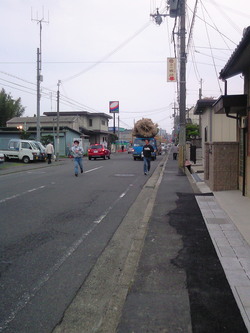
104	157
94	158
26	159
134	158
109	157
89	158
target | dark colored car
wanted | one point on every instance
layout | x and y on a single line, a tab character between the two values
42	154
98	151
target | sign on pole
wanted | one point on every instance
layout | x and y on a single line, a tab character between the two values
171	70
114	107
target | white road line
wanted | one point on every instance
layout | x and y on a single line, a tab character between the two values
23	193
27	296
93	169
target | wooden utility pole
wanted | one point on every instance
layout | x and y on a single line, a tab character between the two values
182	133
57	130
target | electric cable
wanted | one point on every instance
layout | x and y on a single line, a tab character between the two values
217	76
109	54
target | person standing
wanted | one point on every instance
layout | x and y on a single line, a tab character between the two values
147	151
77	154
175	152
49	150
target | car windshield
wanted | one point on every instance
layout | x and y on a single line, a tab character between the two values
33	145
141	142
39	145
96	147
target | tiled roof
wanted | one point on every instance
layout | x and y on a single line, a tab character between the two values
240	59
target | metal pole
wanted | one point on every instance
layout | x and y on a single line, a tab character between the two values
182	133
114	124
38	135
57	134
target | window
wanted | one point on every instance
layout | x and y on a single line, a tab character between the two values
103	122
90	122
26	145
96	147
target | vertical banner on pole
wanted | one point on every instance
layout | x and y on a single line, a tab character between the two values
171	70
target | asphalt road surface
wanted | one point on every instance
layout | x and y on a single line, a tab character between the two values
54	226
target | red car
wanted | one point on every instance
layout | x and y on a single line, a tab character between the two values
98	151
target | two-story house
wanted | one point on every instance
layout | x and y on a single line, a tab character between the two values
91	127
225	127
218	144
237	107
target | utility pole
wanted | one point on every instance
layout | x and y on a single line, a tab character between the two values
200	97
57	130
182	133
176	121
178	8
39	77
38	96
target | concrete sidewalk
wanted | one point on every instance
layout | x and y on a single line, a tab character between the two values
182	284
227	217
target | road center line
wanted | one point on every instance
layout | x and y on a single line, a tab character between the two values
23	193
93	169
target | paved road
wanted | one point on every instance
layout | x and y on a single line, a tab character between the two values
54	227
151	269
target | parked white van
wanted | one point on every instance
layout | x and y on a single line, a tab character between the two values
24	150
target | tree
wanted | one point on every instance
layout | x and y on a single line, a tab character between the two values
192	130
112	138
45	139
9	108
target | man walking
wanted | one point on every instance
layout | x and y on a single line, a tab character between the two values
49	150
77	154
147	151
175	151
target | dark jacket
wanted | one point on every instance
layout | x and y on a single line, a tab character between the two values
147	150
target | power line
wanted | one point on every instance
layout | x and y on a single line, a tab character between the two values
109	54
217	76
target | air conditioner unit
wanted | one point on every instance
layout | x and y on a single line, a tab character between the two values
243	122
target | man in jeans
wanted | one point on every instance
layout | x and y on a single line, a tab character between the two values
77	154
147	151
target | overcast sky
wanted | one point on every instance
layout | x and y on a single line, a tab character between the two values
112	50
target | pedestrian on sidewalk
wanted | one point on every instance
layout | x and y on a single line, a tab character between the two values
77	153
49	150
147	151
175	152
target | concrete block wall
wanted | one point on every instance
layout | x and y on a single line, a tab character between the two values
221	165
